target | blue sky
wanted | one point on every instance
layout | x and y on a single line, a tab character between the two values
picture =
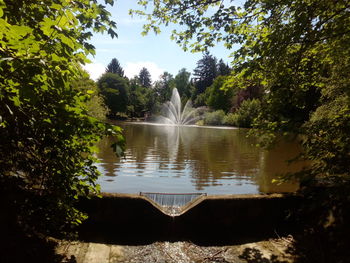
155	52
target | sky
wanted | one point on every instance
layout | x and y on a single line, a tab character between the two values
155	52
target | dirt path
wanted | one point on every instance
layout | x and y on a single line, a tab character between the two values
273	250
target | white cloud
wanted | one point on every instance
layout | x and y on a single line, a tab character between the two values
95	70
133	68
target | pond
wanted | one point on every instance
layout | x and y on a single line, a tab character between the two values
188	159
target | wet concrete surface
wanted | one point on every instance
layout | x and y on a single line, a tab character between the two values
272	250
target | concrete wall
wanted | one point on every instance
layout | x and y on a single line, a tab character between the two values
216	220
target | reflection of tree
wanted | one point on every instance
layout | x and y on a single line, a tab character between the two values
222	153
274	163
207	155
107	157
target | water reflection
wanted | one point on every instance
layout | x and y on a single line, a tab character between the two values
193	159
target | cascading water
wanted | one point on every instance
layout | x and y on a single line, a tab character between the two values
171	203
173	115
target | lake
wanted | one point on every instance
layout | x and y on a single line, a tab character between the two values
187	159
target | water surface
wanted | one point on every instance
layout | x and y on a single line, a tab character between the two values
175	159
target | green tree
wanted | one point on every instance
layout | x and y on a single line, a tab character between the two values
217	97
183	84
48	139
114	67
95	104
205	72
141	99
223	69
145	78
164	87
115	91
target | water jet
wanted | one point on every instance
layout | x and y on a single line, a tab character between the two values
173	114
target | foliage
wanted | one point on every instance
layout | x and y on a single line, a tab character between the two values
223	69
200	100
114	67
217	97
47	136
214	118
247	112
246	87
145	78
183	84
94	102
141	99
115	91
205	72
164	87
231	119
298	49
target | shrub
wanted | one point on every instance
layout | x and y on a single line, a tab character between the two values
214	118
248	111
231	119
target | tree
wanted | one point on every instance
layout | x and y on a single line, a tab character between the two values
183	84
115	91
114	67
48	139
164	87
95	104
299	49
205	72
141	99
223	69
217	97
145	78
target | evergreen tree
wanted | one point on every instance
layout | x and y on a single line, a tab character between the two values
223	69
205	72
145	78
114	67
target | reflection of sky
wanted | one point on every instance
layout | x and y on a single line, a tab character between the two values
185	159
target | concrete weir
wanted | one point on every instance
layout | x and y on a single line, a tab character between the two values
208	220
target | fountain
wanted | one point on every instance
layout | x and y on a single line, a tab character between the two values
173	115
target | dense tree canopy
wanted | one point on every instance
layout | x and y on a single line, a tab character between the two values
96	106
115	91
217	98
142	100
47	137
183	83
164	87
297	51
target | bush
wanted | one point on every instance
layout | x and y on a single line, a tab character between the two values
231	119
214	118
248	111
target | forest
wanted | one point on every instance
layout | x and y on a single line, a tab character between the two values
139	97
